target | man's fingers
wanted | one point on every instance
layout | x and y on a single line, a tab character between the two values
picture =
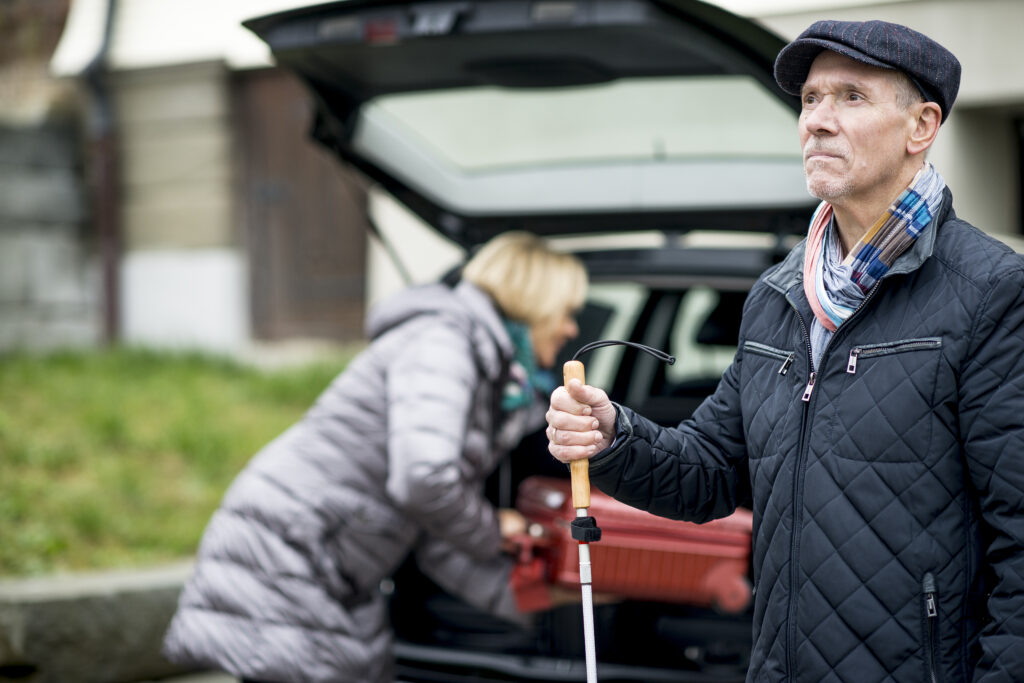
568	437
559	419
567	445
561	399
569	453
573	431
586	394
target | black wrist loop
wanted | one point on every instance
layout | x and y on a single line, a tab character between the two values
660	355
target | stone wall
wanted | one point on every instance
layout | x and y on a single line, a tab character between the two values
49	280
49	276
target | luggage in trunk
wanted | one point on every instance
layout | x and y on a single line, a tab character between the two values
640	556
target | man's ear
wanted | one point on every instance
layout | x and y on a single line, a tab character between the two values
927	117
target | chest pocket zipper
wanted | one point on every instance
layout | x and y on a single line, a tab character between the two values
889	348
787	357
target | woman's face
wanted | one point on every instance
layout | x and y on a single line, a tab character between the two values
548	336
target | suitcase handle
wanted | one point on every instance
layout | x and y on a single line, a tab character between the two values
579	469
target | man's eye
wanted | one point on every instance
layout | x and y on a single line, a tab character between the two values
810	100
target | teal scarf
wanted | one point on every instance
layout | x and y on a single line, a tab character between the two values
525	381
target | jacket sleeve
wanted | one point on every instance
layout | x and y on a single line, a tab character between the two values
695	471
431	387
482	583
991	405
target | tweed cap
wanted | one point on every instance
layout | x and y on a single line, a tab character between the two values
932	68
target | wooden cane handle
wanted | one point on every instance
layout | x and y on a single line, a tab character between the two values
579	469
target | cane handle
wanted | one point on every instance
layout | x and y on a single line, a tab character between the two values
579	469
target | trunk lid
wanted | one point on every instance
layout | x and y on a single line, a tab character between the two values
554	116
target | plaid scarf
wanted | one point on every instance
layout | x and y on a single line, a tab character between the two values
835	289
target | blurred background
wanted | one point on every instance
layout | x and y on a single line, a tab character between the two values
182	271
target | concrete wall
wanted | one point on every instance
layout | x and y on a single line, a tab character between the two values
100	627
184	277
175	138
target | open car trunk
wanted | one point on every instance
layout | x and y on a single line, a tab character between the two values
626	129
561	116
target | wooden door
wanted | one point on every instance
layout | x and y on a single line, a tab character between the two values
302	216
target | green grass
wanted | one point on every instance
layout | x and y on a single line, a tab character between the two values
118	458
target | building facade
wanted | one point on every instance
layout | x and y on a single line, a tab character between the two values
234	228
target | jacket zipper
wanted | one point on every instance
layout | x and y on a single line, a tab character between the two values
794	548
931	611
805	425
871	350
787	358
806	398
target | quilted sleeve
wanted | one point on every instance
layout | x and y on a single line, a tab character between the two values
430	390
482	583
695	471
992	428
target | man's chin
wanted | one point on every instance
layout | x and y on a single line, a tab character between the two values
826	190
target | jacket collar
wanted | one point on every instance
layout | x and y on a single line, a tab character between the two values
492	344
790	271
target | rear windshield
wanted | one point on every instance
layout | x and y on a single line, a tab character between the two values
646	143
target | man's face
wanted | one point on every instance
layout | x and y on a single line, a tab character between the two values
853	132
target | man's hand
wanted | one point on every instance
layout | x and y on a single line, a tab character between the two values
581	421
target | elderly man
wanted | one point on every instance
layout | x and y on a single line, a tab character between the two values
872	414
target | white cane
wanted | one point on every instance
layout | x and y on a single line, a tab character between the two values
585	530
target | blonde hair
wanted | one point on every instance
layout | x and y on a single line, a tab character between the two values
529	282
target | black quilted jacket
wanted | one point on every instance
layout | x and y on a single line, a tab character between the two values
887	483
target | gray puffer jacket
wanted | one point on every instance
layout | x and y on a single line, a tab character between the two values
887	483
390	459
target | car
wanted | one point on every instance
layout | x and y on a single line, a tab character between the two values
646	136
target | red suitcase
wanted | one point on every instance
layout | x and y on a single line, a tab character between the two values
640	556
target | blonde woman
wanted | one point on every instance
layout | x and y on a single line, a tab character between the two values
389	460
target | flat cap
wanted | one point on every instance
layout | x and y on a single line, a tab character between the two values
932	68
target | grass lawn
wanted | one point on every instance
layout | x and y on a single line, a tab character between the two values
118	458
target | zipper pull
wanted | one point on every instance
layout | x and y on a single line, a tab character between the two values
808	389
786	363
851	364
930	608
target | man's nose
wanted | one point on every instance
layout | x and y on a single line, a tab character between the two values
821	118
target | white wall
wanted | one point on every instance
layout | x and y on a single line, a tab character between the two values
158	33
185	298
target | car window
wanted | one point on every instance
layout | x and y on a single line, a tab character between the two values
696	358
698	324
641	143
610	313
651	118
